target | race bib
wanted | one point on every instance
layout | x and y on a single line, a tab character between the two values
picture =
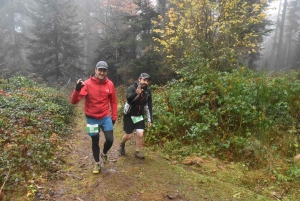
136	119
92	128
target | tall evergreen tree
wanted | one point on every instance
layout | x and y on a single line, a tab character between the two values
56	47
260	28
12	13
89	29
126	43
279	58
293	42
138	55
295	21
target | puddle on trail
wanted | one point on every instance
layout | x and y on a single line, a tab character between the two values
111	170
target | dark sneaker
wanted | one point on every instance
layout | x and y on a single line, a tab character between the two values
122	149
139	155
104	158
97	168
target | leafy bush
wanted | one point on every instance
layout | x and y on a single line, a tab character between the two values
33	120
225	112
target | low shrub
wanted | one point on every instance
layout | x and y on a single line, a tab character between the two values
33	121
229	114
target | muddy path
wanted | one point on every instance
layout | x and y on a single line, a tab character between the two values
126	178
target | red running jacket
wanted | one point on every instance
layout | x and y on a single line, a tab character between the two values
100	98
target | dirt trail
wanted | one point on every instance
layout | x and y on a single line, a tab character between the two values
128	179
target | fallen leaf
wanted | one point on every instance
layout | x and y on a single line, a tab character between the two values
221	166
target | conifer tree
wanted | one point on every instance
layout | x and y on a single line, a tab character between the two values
296	59
137	43
12	14
55	49
293	35
126	42
279	60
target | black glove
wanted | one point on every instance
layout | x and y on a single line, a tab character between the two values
79	85
113	121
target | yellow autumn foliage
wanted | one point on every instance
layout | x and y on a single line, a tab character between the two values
214	28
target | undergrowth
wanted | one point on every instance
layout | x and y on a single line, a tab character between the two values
33	120
236	116
240	116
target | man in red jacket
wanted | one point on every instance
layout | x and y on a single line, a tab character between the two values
100	109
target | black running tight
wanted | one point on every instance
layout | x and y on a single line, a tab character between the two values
109	139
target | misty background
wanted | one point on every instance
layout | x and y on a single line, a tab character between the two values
280	47
58	42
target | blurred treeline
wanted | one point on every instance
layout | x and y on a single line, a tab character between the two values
61	41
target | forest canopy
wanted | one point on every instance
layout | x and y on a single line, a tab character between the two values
62	41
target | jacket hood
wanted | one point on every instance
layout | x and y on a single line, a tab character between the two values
98	81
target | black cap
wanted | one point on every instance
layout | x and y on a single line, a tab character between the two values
145	76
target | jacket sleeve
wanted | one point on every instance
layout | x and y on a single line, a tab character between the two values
113	104
131	94
146	108
78	95
150	107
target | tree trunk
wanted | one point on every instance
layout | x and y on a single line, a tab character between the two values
12	24
275	37
87	34
280	42
292	28
57	49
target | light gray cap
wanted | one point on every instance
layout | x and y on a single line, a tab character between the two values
102	64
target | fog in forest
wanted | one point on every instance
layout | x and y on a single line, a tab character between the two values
63	40
280	48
